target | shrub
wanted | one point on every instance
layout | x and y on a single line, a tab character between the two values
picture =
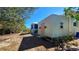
68	38
68	46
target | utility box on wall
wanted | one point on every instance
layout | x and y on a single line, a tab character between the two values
77	34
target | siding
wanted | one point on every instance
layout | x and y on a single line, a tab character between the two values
53	26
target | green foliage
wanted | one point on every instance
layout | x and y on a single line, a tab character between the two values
68	38
13	18
72	12
77	17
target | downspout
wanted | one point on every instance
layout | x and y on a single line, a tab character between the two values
69	26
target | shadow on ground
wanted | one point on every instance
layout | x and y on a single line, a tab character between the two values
31	42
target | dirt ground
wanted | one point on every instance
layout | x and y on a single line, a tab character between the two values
10	42
16	42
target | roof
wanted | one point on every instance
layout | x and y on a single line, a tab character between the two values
52	15
34	23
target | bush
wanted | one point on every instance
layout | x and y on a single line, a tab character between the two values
5	31
68	38
68	46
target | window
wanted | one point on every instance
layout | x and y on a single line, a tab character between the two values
45	27
36	26
74	23
61	25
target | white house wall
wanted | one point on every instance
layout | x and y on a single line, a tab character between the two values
53	29
74	28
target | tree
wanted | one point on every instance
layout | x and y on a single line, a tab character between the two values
72	12
13	18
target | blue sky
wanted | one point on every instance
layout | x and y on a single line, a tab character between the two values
43	12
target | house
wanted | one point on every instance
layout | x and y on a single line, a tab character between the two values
34	28
1	26
57	26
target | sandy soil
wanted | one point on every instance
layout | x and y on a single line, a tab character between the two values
10	42
16	42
